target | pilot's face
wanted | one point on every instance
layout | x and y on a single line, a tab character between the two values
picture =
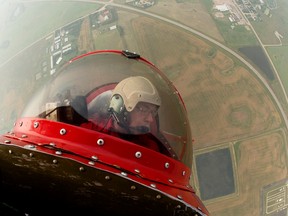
142	116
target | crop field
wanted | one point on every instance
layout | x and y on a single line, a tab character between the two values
227	106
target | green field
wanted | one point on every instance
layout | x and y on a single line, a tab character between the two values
279	56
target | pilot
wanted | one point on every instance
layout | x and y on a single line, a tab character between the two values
133	109
134	105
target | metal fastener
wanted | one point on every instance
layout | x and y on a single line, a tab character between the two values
63	131
100	142
138	154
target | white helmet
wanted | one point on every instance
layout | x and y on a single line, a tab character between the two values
133	90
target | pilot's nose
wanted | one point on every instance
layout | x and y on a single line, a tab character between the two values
149	117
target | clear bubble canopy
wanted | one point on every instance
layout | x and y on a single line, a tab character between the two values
81	92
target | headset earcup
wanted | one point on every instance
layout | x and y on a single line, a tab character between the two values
116	104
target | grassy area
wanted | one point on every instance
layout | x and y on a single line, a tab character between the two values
267	22
279	56
236	36
270	21
108	40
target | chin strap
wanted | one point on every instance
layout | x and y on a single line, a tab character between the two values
113	114
118	122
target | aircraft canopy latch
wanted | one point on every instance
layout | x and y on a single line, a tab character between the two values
129	54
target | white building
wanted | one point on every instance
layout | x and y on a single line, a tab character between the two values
223	7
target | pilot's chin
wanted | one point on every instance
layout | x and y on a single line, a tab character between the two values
141	129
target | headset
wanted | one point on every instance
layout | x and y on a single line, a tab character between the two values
121	115
118	111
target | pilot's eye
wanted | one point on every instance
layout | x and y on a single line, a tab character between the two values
146	110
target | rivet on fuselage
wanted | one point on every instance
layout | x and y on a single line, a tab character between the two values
153	185
167	165
94	158
137	171
133	187
36	124
81	169
55	161
91	163
179	197
158	196
63	131
138	154
100	142
123	173
184	173
21	123
58	152
24	136
171	181
30	146
7	141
